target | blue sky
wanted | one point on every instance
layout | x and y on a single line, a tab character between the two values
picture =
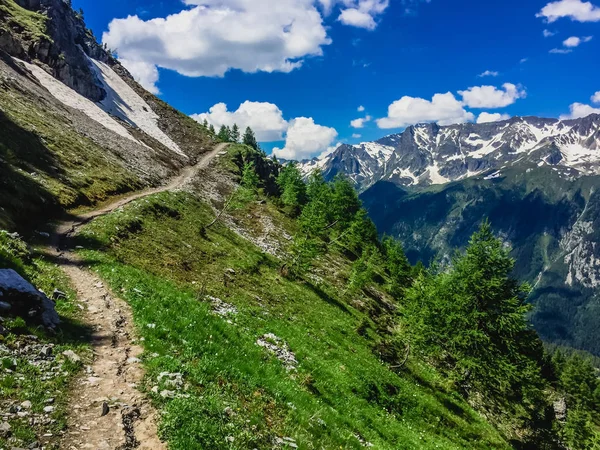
307	65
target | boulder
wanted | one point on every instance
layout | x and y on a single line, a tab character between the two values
21	298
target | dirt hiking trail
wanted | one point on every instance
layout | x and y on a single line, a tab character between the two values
106	410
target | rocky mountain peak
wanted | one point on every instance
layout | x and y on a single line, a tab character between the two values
428	154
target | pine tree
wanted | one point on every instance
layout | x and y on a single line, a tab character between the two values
345	202
205	124
397	266
235	133
471	319
224	134
293	189
212	129
250	139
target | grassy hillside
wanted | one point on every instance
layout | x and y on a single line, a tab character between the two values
236	394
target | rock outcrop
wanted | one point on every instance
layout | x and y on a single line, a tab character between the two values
20	298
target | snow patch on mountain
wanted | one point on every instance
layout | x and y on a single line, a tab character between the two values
430	154
123	102
71	98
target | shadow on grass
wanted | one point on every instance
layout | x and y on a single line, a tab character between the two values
328	298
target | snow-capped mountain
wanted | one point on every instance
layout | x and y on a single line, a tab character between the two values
430	154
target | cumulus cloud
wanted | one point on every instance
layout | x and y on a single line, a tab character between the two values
145	74
362	13
266	119
214	36
360	108
492	97
444	109
488	73
305	138
576	10
360	123
356	136
486	117
548	33
596	97
575	41
579	110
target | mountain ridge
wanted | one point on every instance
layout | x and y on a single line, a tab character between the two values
427	154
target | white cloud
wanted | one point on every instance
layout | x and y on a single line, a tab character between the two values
488	73
579	110
575	41
361	108
561	51
356	18
305	139
523	60
596	97
486	117
576	10
266	119
356	136
444	109
362	13
214	36
360	123
548	33
492	97
144	73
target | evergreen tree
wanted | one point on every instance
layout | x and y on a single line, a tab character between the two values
360	234
293	189
317	188
235	133
579	382
578	431
249	186
224	134
345	202
212	129
205	124
364	269
397	266
250	179
250	139
472	321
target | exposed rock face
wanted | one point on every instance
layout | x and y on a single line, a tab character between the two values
64	48
18	297
429	154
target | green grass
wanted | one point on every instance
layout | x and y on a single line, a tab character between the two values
46	167
341	391
32	23
23	380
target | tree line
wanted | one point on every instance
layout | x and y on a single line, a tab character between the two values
233	134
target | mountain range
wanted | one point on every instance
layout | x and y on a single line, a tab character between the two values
535	179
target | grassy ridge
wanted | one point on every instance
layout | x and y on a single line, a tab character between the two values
238	396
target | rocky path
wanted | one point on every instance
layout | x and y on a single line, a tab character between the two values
107	411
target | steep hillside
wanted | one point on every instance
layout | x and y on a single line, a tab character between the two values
75	127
